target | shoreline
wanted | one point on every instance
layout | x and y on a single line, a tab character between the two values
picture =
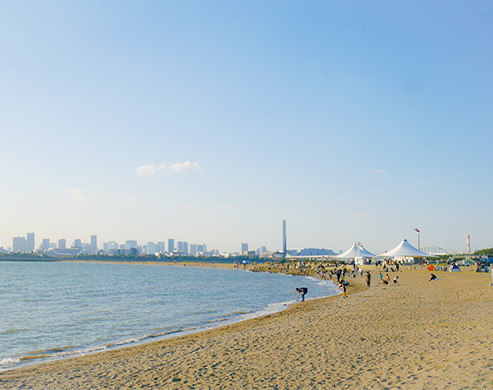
416	334
56	354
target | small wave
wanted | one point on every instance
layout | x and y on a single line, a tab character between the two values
33	357
49	351
218	320
238	312
9	362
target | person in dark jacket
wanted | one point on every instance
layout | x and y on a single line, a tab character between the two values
301	292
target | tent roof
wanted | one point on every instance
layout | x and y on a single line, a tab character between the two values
404	249
355	251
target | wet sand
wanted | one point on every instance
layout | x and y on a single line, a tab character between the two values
414	335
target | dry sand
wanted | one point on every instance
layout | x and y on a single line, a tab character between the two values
414	335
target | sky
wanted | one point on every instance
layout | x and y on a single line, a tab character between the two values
212	122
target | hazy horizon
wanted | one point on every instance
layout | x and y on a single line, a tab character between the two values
211	122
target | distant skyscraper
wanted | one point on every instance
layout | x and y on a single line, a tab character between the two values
160	246
180	246
263	249
19	244
284	239
185	247
193	249
30	245
62	243
94	243
151	248
244	248
171	245
112	245
46	244
77	243
130	244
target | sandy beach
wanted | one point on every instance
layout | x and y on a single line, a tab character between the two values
413	335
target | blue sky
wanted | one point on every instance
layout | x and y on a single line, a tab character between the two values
211	122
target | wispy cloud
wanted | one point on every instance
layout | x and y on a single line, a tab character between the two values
379	171
77	195
148	170
180	167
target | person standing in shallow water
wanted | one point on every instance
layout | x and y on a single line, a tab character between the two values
301	291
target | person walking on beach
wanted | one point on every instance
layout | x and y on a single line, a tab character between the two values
368	278
301	291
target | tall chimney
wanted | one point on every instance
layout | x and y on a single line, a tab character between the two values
284	237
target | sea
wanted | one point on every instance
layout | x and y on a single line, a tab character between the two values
57	310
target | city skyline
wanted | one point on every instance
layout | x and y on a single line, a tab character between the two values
27	244
215	121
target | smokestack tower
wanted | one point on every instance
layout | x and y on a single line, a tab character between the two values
284	237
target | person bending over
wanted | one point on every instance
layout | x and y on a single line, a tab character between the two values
301	292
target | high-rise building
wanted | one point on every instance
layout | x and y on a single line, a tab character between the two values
30	245
160	246
19	244
180	246
185	247
244	248
171	245
94	243
193	249
62	243
46	244
130	244
151	248
77	243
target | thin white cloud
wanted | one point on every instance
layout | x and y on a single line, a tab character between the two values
146	170
149	170
77	195
180	167
379	171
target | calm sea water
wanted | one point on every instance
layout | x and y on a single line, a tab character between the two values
57	310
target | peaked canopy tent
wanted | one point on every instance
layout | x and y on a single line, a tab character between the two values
405	249
357	251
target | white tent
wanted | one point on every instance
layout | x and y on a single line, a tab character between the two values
404	249
357	252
